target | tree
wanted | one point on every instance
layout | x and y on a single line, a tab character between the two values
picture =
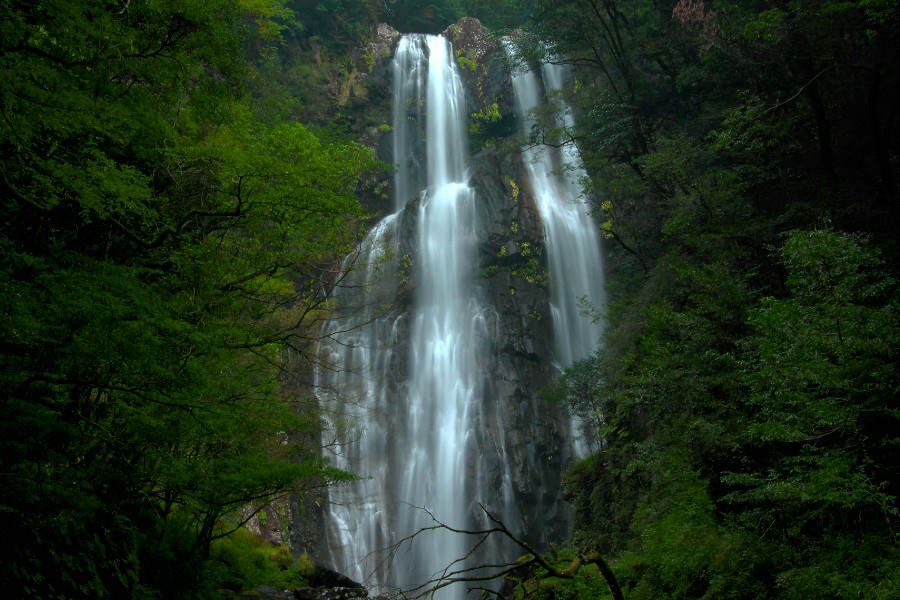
744	393
533	563
162	249
821	444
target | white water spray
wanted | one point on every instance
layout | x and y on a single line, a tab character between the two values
445	327
402	378
570	236
412	438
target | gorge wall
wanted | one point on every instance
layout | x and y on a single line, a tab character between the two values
450	318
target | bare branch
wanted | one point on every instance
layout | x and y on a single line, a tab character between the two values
476	573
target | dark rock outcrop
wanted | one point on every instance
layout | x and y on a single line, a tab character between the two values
324	577
485	71
335	593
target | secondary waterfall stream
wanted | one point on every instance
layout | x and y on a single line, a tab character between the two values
570	237
405	375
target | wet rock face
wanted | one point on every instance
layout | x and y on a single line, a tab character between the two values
513	279
328	579
481	62
385	40
485	72
263	592
307	593
273	523
373	99
336	593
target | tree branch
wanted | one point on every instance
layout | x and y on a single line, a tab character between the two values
473	574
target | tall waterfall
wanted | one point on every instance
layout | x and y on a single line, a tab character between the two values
412	438
570	236
444	330
419	376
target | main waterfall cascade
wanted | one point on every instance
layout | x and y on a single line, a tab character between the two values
409	373
414	437
445	328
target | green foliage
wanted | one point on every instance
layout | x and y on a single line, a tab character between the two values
465	62
587	585
499	15
334	23
490	115
822	379
162	246
487	126
242	561
533	272
423	16
745	394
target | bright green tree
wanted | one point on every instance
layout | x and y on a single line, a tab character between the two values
162	252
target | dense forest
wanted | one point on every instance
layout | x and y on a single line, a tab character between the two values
745	160
179	179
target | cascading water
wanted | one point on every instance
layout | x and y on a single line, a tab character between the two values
410	70
434	404
412	445
445	326
570	236
353	382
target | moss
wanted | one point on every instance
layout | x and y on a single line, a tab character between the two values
242	561
532	271
405	269
587	584
305	565
465	62
489	271
514	187
489	115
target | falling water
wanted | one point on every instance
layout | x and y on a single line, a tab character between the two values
354	382
410	69
444	333
412	437
570	236
405	372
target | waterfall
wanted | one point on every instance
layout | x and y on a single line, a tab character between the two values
445	324
353	382
411	439
430	392
410	68
571	241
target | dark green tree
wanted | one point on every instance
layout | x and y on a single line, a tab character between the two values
746	385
